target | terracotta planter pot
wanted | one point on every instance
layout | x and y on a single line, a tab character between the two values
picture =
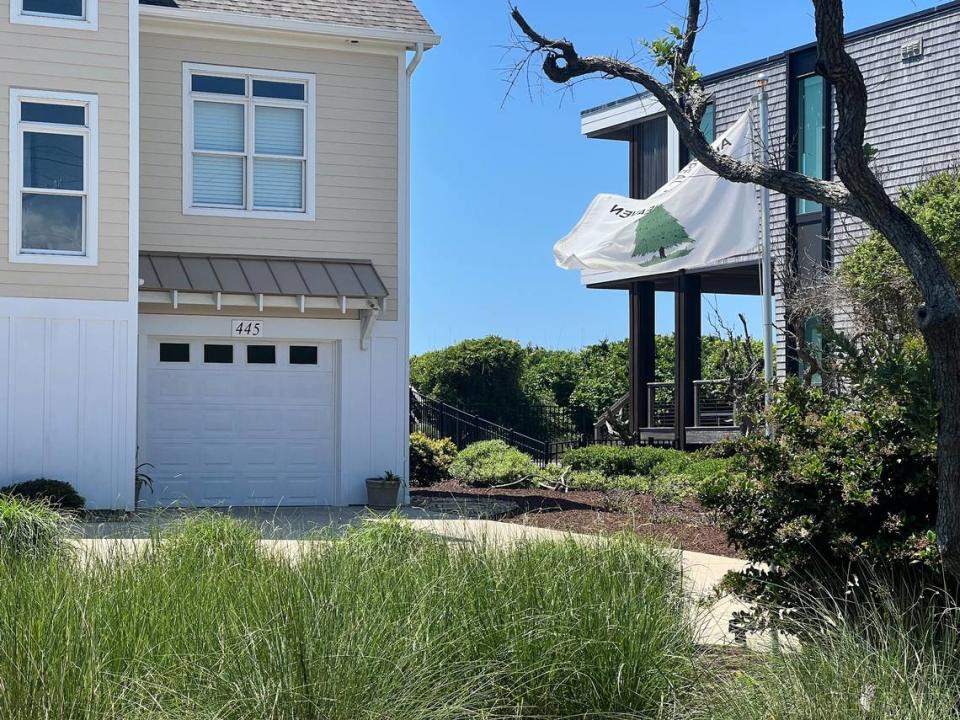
383	493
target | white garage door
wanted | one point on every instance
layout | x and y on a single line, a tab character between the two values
234	423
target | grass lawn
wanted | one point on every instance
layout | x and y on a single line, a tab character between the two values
387	623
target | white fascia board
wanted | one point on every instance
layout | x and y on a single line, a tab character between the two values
407	39
237	300
619	115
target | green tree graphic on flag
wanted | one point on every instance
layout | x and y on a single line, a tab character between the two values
657	232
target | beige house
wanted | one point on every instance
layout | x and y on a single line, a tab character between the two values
204	246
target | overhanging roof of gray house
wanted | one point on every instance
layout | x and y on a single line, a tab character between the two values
396	15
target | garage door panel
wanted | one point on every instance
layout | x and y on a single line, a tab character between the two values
307	491
318	455
237	434
309	388
168	387
174	455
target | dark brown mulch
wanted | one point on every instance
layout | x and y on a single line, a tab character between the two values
686	525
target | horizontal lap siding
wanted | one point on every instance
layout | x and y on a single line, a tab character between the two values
81	61
357	170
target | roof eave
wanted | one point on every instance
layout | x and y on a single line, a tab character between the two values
408	39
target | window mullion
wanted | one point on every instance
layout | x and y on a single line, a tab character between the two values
249	148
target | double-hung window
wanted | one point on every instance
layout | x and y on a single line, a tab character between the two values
74	14
249	146
53	177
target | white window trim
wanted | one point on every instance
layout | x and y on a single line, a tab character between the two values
89	21
310	149
91	175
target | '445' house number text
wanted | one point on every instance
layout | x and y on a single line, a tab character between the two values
246	328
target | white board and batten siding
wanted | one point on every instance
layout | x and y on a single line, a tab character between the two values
67	397
68	332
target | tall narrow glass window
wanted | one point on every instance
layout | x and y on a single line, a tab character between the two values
810	126
708	123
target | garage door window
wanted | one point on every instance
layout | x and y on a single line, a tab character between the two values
174	352
303	355
261	355
221	354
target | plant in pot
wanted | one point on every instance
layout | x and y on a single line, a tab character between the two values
384	492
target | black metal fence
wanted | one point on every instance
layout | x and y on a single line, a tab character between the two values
544	433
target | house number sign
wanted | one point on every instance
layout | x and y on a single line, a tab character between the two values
246	328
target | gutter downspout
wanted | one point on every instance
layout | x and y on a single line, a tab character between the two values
417	57
404	199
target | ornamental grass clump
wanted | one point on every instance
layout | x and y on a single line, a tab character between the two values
385	623
30	530
896	661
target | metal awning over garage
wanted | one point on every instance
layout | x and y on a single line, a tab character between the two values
250	281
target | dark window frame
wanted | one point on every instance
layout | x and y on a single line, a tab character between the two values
270	357
311	350
170	346
808	229
215	347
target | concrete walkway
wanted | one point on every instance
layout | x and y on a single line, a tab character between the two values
285	530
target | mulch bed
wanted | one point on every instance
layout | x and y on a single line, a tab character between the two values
686	525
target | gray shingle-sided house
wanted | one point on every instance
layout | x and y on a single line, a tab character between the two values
912	70
204	246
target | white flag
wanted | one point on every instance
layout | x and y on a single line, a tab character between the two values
696	220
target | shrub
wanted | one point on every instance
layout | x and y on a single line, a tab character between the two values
30	529
430	459
669	475
613	460
57	493
846	484
492	462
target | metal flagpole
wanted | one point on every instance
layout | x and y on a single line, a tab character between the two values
766	269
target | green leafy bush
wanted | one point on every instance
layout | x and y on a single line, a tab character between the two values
57	493
848	483
667	474
30	529
613	460
430	459
875	276
492	462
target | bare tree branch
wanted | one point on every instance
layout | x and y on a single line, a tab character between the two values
563	63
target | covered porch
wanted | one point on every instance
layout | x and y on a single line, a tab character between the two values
690	411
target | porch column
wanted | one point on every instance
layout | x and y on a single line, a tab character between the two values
642	351
687	338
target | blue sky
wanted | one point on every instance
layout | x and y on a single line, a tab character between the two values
495	182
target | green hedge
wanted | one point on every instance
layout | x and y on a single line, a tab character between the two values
663	472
